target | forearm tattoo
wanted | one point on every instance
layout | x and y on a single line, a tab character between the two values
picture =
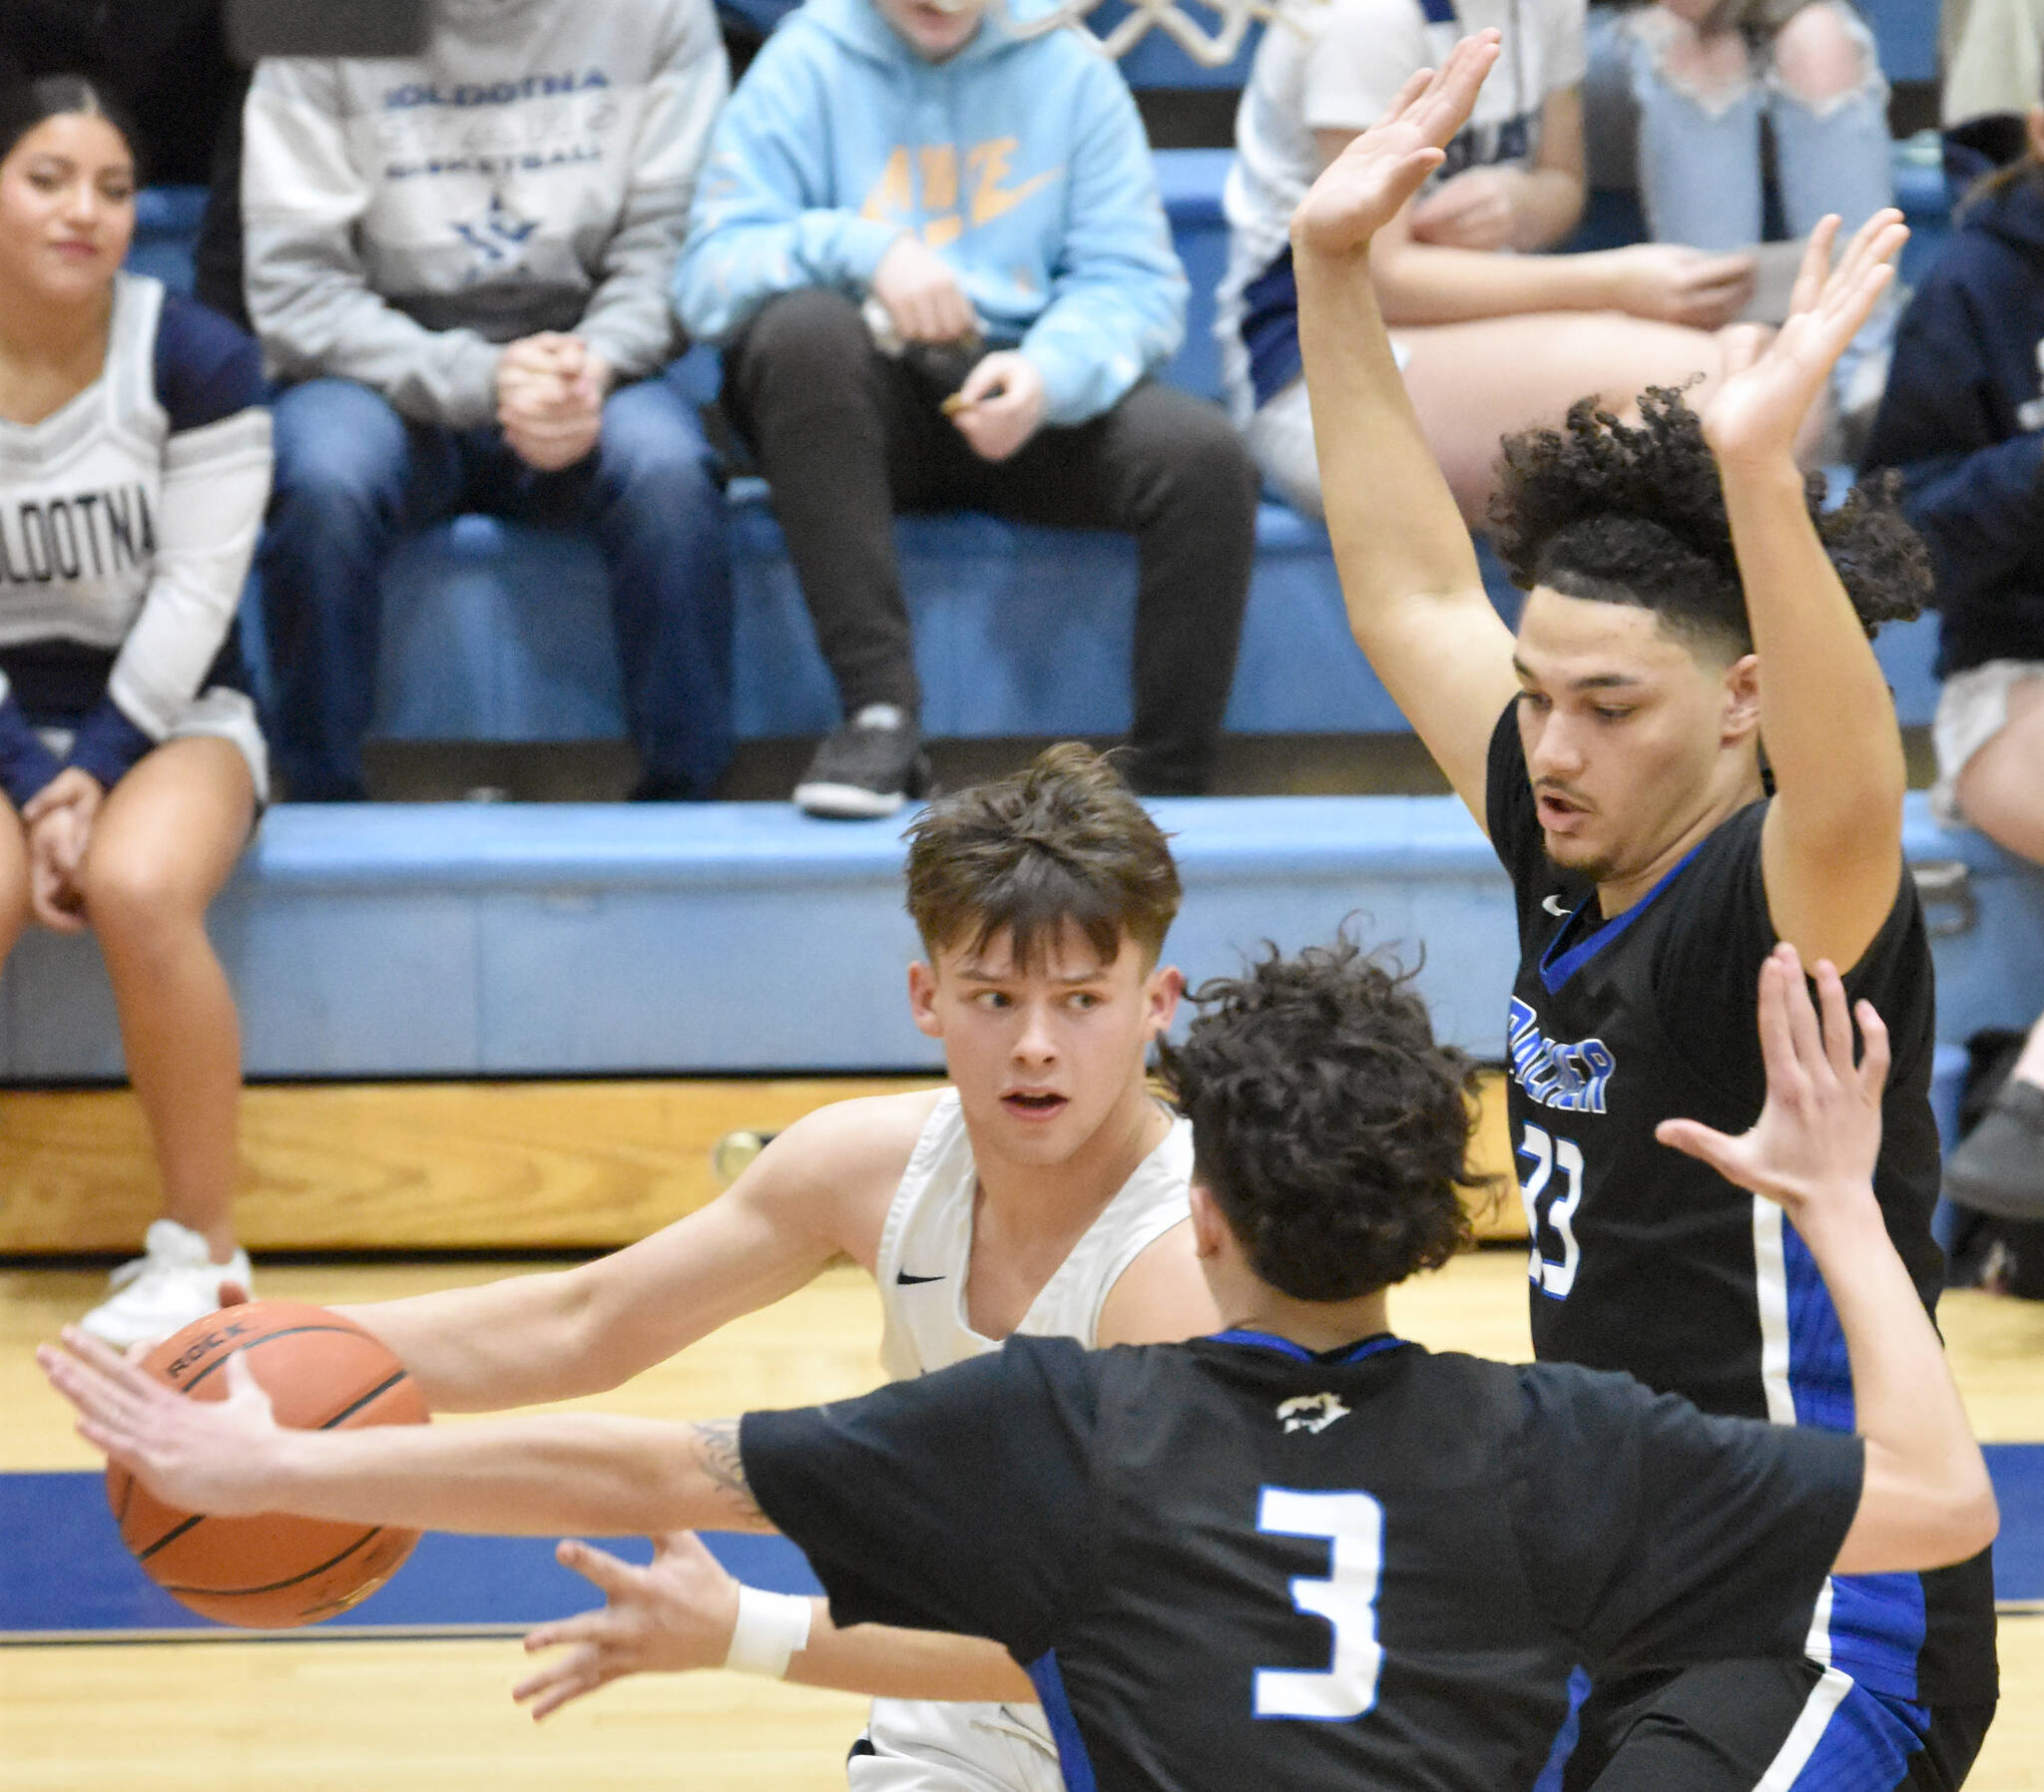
716	1448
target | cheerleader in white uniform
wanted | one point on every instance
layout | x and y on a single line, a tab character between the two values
134	470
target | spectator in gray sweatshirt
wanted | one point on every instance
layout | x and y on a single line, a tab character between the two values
459	264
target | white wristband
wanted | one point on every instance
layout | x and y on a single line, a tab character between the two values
772	1626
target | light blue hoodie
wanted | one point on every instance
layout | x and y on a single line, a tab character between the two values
1022	163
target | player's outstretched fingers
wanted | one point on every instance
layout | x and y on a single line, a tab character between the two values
582	1671
1808	1039
1444	107
1815	269
1876	241
1779	975
1837	1022
1416	84
1873	1058
1694	1139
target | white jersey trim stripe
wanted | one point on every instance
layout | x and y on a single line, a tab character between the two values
1807	1731
1818	1646
1771	1297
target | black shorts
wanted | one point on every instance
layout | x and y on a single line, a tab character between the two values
1736	1726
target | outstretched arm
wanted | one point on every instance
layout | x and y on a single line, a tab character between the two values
810	1198
1832	848
1926	1500
583	1472
677	1613
1408	567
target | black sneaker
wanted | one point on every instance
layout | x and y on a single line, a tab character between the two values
868	769
1998	1168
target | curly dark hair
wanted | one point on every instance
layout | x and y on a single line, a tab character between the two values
1330	1129
1635	513
1063	842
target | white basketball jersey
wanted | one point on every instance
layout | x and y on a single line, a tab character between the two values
924	1256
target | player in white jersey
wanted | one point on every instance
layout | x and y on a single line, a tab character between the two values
1045	1192
133	469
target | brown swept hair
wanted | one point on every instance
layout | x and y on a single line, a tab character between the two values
1063	842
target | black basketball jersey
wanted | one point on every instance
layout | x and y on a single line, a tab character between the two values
1233	1563
1646	1260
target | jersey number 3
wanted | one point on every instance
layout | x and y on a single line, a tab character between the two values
1346	1597
1546	1156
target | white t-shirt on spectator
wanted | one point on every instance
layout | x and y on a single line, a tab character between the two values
1336	65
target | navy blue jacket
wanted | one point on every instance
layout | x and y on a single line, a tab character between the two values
1963	419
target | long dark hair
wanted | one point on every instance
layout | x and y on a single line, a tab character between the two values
27	104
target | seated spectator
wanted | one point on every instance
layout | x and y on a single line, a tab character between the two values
991	202
460	262
1963	419
1491	339
166	62
133	466
1690	83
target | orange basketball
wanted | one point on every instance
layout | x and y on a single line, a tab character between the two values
268	1571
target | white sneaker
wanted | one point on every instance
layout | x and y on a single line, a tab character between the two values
175	1282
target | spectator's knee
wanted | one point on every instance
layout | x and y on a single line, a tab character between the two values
135	899
806	335
654	451
339	447
1823	55
1708	69
1215	468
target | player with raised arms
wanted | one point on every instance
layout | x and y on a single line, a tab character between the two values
1693	626
1302	1552
135	465
1044	1192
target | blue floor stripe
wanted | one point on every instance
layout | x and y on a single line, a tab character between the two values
2018	1470
64	1576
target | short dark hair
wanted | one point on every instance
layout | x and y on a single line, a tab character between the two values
26	104
1635	513
1330	1129
1064	842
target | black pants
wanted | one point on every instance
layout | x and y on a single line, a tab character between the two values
1727	1726
847	436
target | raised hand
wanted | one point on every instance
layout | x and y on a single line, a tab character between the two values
1812	1149
211	1456
1361	190
674	1615
1756	410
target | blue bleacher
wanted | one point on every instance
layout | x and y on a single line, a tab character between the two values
460	940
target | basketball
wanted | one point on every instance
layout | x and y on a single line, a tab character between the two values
267	1571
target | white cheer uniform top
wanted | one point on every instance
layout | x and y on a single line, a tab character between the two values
925	1253
128	518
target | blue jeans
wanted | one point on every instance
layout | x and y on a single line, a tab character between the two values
1699	169
1699	173
353	478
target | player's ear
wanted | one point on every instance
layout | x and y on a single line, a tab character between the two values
1210	1230
1742	687
1166	985
922	1000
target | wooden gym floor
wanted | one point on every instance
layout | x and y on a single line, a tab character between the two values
344	1716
